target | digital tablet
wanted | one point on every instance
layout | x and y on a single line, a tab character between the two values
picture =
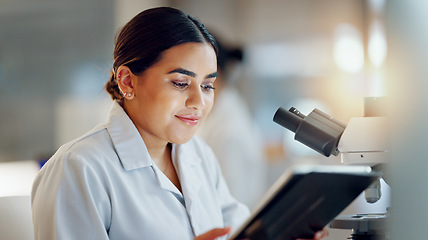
304	200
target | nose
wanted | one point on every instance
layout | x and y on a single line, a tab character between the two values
195	99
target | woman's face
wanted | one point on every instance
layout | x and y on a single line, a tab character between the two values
174	96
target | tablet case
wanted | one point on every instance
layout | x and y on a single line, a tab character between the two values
304	200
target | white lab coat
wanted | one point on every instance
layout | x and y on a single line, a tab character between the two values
104	185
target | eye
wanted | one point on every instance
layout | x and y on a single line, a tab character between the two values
208	87
180	85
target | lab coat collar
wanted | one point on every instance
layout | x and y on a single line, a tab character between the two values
133	154
185	153
127	141
187	164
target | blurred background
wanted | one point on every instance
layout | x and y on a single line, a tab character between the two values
55	57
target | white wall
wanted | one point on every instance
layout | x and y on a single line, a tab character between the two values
127	9
407	73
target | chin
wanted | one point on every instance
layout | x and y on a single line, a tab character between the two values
182	135
180	138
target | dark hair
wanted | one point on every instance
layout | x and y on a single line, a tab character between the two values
144	38
226	55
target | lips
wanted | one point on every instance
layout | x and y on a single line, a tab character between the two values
191	120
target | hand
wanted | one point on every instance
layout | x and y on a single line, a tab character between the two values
213	234
319	235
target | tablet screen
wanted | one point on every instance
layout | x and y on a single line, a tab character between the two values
304	202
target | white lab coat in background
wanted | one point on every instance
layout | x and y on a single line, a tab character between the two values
237	144
104	185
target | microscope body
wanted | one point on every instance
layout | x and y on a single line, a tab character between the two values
363	141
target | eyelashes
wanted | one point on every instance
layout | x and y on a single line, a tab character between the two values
185	85
208	87
180	85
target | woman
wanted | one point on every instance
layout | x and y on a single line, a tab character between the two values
142	175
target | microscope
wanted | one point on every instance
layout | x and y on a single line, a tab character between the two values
363	141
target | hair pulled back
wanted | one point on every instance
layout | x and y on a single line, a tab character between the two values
140	43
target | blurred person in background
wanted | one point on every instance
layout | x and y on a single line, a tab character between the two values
232	134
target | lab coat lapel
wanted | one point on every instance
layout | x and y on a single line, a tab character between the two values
129	145
187	165
164	181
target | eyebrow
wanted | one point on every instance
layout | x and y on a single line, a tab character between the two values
191	74
212	75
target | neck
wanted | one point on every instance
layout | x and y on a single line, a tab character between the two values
159	153
158	148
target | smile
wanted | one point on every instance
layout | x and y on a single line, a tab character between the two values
190	120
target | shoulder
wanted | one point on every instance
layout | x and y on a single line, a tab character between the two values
84	150
86	160
94	140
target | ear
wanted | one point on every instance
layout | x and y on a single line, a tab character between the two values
125	80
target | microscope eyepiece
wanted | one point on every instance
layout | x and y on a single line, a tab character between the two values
288	119
297	112
318	130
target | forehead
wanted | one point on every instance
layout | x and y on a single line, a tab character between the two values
191	56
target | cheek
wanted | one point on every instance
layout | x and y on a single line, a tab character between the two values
167	105
164	99
209	103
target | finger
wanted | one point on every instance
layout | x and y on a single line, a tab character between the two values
213	234
321	234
